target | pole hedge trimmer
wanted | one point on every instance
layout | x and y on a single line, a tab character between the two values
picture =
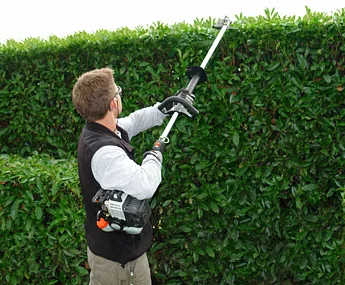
122	212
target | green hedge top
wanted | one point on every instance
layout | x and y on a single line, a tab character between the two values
36	77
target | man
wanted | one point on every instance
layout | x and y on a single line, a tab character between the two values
106	160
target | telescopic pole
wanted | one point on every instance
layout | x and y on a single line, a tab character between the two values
198	73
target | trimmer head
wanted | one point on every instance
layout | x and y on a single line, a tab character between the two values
222	22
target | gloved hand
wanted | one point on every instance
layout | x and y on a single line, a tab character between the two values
154	153
185	94
167	106
157	147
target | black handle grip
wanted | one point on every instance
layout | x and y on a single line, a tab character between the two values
176	99
159	145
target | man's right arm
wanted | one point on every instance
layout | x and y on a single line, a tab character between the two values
113	169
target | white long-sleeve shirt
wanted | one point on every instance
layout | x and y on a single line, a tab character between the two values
113	169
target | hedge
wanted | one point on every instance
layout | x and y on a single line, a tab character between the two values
42	222
253	187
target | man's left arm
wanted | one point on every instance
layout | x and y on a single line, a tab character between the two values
142	120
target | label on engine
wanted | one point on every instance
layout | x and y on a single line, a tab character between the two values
115	208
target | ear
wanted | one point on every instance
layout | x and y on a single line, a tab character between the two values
113	104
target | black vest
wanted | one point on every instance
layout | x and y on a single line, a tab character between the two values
116	246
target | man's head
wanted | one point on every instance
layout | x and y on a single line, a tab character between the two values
95	94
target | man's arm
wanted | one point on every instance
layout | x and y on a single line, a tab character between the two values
141	120
113	169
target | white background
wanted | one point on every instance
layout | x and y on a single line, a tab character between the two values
20	19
